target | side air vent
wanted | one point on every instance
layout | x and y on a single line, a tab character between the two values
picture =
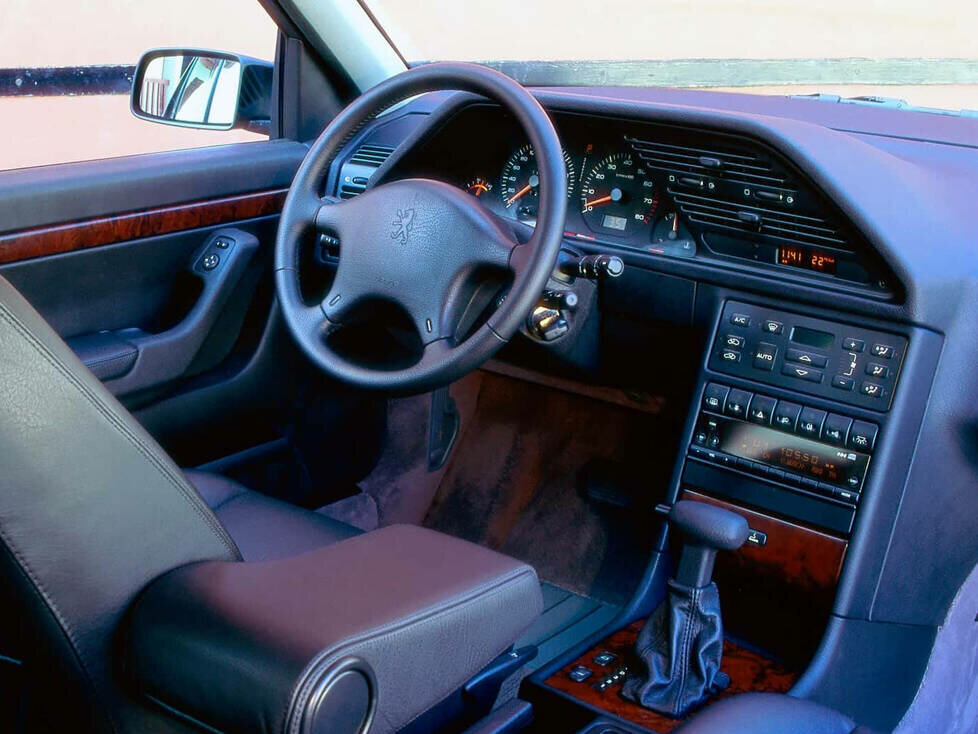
716	213
742	167
360	166
371	155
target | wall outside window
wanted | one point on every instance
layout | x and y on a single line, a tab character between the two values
59	50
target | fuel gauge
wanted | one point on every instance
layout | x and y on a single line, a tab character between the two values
671	238
478	186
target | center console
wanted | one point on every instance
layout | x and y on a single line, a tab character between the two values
788	430
789	450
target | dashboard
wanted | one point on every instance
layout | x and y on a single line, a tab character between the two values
806	273
662	190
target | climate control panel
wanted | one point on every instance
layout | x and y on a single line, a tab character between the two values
850	364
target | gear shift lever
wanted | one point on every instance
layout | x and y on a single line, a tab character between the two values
681	644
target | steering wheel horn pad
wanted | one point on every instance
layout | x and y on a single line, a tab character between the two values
410	242
416	242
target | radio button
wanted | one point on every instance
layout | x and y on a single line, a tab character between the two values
761	409
737	402
827	489
715	397
809	359
862	436
765	356
786	416
836	429
808	374
810	422
846	495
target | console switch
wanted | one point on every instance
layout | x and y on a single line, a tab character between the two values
786	415
810	422
715	397
737	402
862	436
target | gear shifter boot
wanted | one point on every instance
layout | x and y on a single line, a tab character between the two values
680	648
681	644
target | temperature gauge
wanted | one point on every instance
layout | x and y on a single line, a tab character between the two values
671	238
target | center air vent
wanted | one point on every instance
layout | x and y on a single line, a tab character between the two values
744	167
360	166
716	213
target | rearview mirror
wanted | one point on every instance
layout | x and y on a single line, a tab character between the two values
212	90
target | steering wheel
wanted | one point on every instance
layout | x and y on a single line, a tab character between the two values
418	243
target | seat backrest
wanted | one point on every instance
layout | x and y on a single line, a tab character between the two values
91	510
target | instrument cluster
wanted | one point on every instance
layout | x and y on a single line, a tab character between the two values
612	195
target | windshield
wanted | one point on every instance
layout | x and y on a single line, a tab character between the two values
923	52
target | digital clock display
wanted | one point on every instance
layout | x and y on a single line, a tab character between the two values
835	465
796	257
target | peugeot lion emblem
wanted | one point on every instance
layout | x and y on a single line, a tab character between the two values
402	225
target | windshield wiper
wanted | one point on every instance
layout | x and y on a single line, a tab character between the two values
891	103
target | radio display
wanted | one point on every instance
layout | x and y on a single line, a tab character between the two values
835	465
795	257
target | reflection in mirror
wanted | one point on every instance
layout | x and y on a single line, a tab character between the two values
191	89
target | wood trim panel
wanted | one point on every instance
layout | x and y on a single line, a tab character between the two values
748	671
87	233
778	596
795	554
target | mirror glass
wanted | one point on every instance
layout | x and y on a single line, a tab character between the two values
192	89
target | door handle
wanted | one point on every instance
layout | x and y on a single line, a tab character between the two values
165	356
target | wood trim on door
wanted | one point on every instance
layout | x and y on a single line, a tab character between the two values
87	233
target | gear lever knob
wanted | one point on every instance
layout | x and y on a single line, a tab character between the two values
706	529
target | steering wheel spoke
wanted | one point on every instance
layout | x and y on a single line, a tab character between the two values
331	215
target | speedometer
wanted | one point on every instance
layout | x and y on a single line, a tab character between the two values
519	182
618	196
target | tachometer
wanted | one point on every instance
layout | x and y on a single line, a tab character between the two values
618	196
519	182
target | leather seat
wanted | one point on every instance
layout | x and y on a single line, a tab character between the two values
263	528
94	515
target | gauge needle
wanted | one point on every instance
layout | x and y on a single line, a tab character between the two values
614	195
478	189
596	202
519	194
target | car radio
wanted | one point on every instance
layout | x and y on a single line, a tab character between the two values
821	457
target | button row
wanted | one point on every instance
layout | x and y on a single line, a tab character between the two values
838	430
847	495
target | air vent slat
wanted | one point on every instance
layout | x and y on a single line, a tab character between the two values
371	155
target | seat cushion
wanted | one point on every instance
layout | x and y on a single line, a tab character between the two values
266	529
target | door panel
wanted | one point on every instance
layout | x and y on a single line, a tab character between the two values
111	253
